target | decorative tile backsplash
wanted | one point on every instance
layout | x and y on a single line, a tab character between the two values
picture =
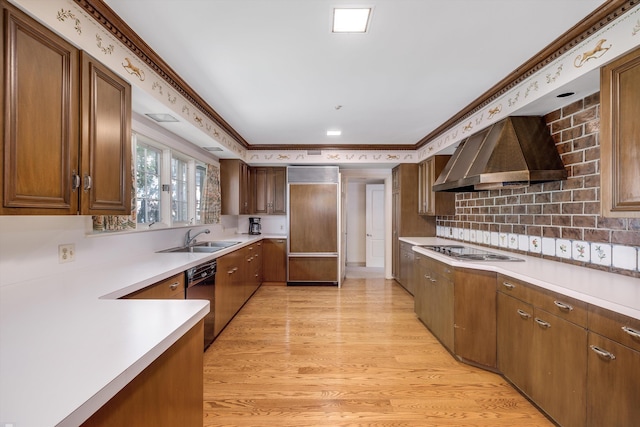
560	219
604	254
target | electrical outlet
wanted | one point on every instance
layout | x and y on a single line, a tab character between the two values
281	227
66	253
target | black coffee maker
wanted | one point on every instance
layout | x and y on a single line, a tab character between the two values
254	226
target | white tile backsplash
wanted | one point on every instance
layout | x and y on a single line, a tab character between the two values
618	256
624	257
563	248
535	244
523	242
513	241
581	251
601	253
549	246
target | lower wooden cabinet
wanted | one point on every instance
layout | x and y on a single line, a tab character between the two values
167	393
559	368
229	289
434	299
475	316
274	261
514	336
613	377
169	288
405	273
613	373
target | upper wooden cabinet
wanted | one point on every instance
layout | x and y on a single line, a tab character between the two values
620	136
106	140
269	193
430	202
234	187
49	97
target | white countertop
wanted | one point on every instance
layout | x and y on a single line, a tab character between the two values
607	290
67	345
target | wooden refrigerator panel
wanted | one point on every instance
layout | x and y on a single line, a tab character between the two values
313	218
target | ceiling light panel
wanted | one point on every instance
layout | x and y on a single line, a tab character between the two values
351	20
334	133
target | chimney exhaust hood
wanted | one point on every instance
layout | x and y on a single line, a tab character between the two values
514	152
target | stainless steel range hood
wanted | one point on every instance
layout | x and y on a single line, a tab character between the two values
514	152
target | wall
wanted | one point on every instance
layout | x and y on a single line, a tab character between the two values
558	220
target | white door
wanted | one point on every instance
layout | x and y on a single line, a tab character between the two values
375	225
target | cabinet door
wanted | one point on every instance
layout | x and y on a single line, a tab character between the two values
614	383
106	141
514	338
279	191
442	312
225	292
274	261
475	316
260	190
620	136
41	111
395	243
245	189
559	368
423	174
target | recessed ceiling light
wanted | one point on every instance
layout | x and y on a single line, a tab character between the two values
213	148
351	20
159	117
334	132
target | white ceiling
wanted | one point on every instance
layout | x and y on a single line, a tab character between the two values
275	72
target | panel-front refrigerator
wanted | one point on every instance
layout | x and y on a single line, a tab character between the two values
313	215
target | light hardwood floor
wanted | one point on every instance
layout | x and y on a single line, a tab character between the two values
355	356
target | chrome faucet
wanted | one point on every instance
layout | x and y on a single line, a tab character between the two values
188	240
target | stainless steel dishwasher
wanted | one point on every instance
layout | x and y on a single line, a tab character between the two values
201	284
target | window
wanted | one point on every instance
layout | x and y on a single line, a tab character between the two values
169	186
179	191
148	162
201	173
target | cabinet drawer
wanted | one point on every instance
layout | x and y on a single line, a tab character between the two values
617	327
567	308
515	288
562	306
169	288
435	268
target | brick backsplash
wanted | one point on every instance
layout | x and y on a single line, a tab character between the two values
563	213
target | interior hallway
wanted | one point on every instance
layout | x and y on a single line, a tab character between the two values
355	356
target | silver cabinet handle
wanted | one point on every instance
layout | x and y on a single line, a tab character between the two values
523	314
426	276
174	286
432	280
75	180
563	306
542	323
632	332
508	285
602	353
87	182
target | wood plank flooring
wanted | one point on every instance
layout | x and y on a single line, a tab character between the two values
355	356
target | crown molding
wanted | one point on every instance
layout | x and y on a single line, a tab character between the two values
602	16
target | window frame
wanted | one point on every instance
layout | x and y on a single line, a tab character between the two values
167	154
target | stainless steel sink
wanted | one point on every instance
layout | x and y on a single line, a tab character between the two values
202	247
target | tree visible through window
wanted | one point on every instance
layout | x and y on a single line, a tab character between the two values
148	184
